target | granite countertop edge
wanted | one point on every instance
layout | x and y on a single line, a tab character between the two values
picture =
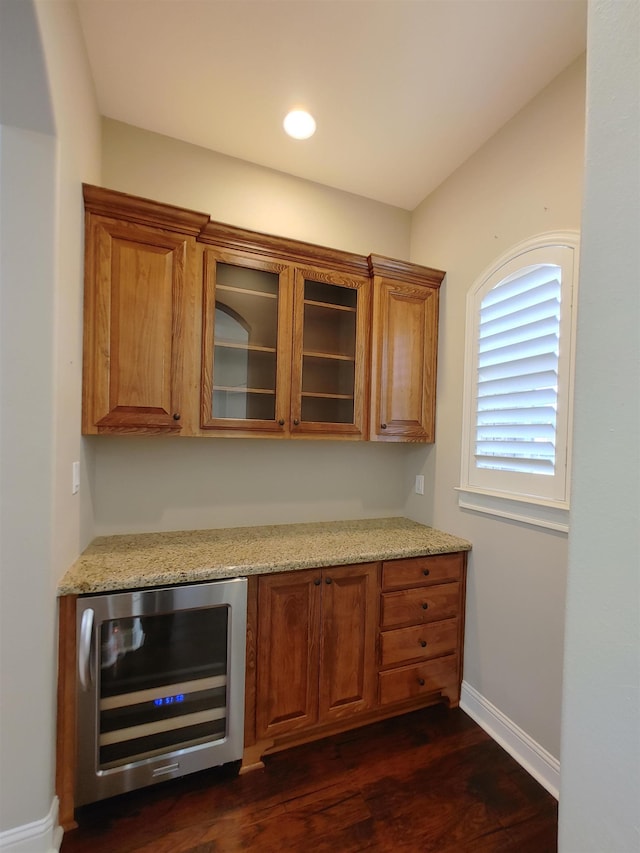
136	561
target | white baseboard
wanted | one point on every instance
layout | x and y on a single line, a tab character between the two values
41	836
533	757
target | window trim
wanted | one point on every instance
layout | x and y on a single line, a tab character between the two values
491	498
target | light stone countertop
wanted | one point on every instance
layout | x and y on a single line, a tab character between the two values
134	561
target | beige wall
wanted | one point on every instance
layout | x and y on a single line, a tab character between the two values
239	193
43	160
151	484
524	181
600	788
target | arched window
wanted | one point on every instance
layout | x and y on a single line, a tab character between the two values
518	383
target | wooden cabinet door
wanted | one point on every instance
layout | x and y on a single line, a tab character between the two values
134	327
348	640
405	353
404	350
329	374
246	352
288	652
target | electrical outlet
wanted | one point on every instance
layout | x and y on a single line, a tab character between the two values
419	489
75	478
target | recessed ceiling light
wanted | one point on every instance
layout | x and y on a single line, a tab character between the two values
299	124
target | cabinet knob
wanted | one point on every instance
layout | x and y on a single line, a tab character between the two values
328	580
425	606
176	416
421	682
281	422
317	582
296	422
423	643
426	573
383	426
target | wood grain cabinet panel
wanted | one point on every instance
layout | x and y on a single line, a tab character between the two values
194	327
412	682
348	640
137	342
419	641
422	571
288	652
404	353
421	604
316	647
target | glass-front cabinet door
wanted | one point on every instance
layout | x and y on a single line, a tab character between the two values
331	341
246	343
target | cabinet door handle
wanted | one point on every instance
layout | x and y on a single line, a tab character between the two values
426	573
421	682
281	422
383	426
328	580
296	422
317	582
423	643
425	606
84	649
176	416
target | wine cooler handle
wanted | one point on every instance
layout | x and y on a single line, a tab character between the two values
84	649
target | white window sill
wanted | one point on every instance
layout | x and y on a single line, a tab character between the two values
553	516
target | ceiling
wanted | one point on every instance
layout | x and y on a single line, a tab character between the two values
403	91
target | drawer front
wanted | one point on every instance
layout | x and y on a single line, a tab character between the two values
416	606
419	571
418	642
411	682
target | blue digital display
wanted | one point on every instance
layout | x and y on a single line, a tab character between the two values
168	700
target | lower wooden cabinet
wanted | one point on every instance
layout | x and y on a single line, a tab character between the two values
315	647
334	648
412	682
422	628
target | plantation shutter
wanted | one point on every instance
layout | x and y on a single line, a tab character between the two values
517	373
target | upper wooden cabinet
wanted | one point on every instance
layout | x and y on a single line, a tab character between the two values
330	353
285	348
405	350
139	257
246	349
193	327
286	331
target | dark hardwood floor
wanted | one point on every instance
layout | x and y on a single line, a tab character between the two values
431	780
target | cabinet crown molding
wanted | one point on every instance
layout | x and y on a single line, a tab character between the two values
142	211
379	265
282	248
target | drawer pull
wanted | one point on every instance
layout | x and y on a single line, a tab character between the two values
425	606
426	573
421	682
423	643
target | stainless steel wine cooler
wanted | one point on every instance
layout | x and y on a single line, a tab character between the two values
160	684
